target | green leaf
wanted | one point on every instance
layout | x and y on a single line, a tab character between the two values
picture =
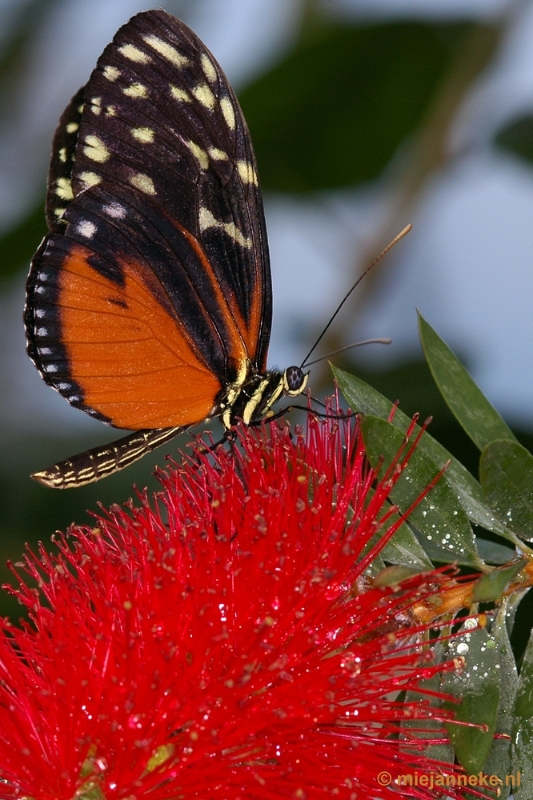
491	586
335	110
518	137
363	398
499	758
493	552
439	516
522	735
468	404
478	690
390	576
405	550
431	728
506	474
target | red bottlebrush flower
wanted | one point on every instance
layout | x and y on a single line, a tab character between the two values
222	642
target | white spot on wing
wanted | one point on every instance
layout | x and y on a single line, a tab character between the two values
90	179
96	149
44	351
180	94
72	127
227	112
143	182
207	220
40	313
50	368
96	105
144	135
86	228
204	95
247	173
115	210
64	189
217	155
208	68
133	53
111	73
41	331
199	154
63	155
166	50
137	90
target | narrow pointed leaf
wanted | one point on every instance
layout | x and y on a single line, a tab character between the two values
522	735
467	402
390	576
506	475
499	758
366	400
431	728
439	517
405	550
491	586
478	690
493	552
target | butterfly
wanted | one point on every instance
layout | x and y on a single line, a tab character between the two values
149	302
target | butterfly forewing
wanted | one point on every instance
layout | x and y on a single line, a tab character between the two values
59	193
161	107
152	293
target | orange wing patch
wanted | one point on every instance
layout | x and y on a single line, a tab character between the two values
126	351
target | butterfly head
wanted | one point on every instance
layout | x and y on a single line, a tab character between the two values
295	381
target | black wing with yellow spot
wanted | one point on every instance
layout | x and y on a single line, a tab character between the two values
59	193
151	295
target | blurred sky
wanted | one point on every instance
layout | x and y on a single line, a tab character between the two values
468	264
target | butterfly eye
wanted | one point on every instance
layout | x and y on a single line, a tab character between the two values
295	380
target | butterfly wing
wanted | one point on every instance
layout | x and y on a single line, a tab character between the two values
151	294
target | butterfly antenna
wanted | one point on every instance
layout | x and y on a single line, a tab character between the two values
348	293
348	347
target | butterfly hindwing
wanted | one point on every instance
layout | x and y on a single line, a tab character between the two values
152	292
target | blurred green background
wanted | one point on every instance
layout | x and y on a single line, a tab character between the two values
364	117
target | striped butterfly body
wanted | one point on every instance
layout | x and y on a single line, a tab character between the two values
149	302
